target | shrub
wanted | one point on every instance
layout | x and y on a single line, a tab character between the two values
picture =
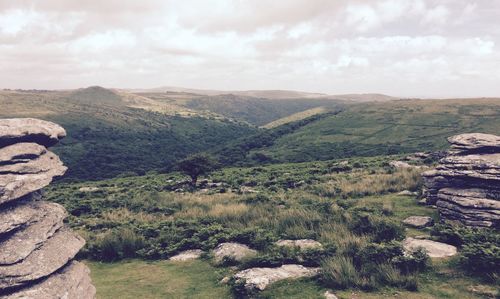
116	244
415	261
340	272
483	258
480	253
381	230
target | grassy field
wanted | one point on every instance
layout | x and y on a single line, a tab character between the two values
160	279
198	279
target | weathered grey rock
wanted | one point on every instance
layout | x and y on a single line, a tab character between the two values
465	186
88	189
187	255
434	249
330	295
407	193
303	244
247	190
36	250
475	141
72	281
20	179
48	219
400	164
419	221
23	212
20	153
257	279
235	251
17	130
45	260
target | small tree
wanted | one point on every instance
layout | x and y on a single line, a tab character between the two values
196	165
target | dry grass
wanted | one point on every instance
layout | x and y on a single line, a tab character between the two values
363	184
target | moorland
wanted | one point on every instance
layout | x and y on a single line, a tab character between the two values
290	167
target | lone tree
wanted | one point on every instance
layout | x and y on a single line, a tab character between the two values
196	165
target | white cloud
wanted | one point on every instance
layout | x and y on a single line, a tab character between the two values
400	47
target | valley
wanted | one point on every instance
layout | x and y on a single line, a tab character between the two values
339	172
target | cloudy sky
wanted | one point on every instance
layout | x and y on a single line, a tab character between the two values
440	48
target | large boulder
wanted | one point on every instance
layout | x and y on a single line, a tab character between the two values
36	249
465	186
232	251
72	281
434	249
257	279
17	130
475	142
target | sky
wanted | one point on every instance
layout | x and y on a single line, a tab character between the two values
406	48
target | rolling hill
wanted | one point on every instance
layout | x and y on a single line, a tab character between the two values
367	129
107	138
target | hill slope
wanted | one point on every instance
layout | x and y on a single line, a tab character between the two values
369	129
106	138
256	111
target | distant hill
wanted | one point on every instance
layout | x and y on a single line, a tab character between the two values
363	97
107	138
268	94
95	95
368	129
257	111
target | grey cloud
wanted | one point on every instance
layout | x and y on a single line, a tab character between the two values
399	47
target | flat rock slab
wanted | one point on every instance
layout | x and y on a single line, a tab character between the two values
22	213
330	295
187	255
73	281
434	249
303	244
45	260
400	164
20	179
419	221
16	130
257	279
21	153
47	220
472	141
407	193
235	251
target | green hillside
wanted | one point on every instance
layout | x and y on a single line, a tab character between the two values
369	129
256	111
106	138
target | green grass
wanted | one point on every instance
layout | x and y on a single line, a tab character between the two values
198	279
160	279
370	129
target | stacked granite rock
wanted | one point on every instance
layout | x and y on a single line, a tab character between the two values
36	248
465	186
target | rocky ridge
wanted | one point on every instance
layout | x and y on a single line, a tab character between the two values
465	186
36	248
